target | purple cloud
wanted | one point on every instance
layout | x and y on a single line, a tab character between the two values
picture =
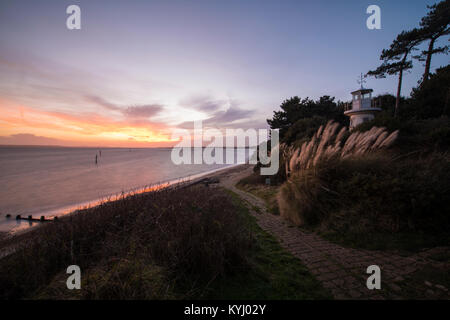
143	111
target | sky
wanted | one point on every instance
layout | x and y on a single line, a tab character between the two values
138	70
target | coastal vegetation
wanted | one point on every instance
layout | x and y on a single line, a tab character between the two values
385	185
365	189
359	193
342	185
192	243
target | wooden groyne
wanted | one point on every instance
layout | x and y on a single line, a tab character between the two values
30	218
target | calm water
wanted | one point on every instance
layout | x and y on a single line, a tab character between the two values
52	180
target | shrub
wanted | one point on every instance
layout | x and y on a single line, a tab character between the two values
431	99
191	235
356	187
420	136
303	129
123	279
311	112
371	193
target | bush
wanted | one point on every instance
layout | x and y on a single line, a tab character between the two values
371	193
431	99
422	136
122	279
191	236
303	129
295	109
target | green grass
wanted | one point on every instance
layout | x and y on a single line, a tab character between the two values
273	274
256	187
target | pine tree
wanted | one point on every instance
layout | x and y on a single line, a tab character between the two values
433	26
395	59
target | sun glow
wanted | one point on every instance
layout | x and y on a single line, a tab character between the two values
81	129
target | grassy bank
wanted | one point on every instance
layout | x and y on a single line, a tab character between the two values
274	273
374	202
193	243
255	184
361	190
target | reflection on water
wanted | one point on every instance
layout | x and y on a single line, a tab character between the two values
54	180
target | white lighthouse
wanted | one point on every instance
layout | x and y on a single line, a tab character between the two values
362	108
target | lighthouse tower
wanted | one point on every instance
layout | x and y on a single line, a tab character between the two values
362	108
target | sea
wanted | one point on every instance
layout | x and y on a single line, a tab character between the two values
53	181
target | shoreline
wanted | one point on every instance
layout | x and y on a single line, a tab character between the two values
182	182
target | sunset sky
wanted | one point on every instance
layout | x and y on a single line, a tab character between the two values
139	69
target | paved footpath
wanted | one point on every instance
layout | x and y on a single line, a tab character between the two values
341	270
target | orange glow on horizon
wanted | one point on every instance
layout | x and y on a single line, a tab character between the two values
84	129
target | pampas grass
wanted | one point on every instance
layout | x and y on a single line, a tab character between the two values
345	186
329	143
302	197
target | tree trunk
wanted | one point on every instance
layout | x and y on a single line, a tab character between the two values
426	73
399	87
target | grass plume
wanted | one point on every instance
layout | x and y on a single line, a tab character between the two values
330	142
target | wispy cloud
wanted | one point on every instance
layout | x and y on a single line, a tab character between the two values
204	103
221	113
143	111
229	116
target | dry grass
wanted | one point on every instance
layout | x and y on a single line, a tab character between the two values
347	186
330	142
189	236
329	145
193	243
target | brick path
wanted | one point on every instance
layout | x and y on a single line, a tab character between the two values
341	270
